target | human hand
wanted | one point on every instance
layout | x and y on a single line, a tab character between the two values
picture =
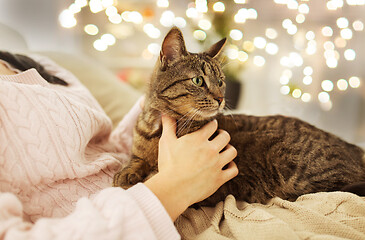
191	167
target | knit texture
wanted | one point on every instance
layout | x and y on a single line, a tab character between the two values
335	215
57	152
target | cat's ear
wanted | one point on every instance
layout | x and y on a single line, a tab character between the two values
214	50
173	46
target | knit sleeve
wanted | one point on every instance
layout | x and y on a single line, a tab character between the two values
112	214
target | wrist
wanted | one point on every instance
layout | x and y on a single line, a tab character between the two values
170	194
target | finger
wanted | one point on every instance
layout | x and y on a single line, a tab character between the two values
168	127
207	130
230	172
227	155
141	103
221	140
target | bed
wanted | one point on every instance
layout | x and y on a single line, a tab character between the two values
335	215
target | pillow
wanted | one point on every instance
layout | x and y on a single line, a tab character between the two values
114	96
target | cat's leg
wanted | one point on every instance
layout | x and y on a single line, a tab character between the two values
136	171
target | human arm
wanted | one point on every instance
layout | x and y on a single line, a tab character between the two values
112	214
191	167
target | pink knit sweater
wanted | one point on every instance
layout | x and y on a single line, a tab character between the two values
58	154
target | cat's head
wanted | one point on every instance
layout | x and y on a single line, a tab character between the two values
184	84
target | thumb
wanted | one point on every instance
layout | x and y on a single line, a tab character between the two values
168	127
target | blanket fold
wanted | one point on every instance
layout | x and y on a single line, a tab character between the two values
335	215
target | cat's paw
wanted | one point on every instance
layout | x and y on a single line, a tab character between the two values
125	179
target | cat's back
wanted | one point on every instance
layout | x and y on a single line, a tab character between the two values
286	157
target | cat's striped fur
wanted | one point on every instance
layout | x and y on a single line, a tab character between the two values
277	155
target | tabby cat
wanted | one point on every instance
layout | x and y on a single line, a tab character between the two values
277	155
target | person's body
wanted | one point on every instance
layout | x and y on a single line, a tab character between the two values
58	154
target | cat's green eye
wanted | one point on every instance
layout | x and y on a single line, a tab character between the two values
220	83
199	81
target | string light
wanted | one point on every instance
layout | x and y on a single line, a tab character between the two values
358	25
67	19
304	42
91	29
271	33
307	80
350	54
297	93
242	56
108	38
205	24
327	31
342	84
219	7
346	33
259	42
354	82
199	35
162	3
306	97
327	85
259	61
307	71
272	48
285	90
342	22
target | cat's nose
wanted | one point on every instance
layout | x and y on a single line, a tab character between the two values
219	100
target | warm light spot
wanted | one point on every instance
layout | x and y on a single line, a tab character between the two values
248	46
284	80
199	35
342	84
340	42
205	24
108	38
259	42
100	45
354	82
154	48
219	7
342	22
350	54
306	97
162	3
91	29
285	90
236	34
271	33
310	35
272	48
307	80
242	56
346	33
327	85
259	61
358	25
323	97
297	93
300	18
308	71
327	31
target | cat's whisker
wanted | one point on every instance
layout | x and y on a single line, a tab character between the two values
230	114
185	122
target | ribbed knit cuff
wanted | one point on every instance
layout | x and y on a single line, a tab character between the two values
30	76
154	211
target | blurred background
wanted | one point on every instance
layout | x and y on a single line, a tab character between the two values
301	58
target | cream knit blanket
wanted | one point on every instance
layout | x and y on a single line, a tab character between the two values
335	215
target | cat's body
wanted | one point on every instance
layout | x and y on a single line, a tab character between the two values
277	155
